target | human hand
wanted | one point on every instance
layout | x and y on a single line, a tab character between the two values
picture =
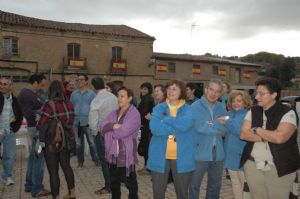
223	119
148	116
13	119
116	126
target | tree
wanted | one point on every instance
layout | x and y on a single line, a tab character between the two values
275	65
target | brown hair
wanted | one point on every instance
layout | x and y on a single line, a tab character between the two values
245	96
162	88
181	86
128	91
56	90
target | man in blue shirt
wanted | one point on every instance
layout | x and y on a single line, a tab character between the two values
81	99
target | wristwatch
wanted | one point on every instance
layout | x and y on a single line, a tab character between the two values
254	130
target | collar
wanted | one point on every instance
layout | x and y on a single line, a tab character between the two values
180	104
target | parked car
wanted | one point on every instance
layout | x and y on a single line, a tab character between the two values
293	101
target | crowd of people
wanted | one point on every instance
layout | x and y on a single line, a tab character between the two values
183	136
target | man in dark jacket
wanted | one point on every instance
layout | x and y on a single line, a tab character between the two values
31	104
10	121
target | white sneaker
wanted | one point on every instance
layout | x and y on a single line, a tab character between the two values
9	181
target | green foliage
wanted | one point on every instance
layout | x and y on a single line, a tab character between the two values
275	65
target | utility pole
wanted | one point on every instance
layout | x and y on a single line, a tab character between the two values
193	25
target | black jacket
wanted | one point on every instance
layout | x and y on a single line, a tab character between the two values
286	155
15	126
146	105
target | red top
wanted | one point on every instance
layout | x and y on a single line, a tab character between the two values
62	109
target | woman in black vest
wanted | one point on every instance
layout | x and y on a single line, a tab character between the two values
271	155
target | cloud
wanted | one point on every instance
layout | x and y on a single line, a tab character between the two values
230	20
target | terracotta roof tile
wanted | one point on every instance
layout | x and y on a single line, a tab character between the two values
117	30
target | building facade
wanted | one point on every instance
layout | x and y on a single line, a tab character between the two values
115	52
200	69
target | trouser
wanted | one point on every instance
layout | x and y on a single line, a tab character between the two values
267	184
118	175
35	166
145	139
8	141
214	171
237	180
160	180
101	154
79	132
53	160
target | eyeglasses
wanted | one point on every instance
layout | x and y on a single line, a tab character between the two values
81	79
262	94
3	84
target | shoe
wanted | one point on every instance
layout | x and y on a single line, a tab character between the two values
143	171
70	195
103	190
43	193
9	181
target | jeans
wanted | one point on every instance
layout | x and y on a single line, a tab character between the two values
79	132
104	164
8	141
35	166
214	179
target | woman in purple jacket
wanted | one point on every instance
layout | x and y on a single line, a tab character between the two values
120	129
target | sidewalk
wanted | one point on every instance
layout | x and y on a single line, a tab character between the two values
87	180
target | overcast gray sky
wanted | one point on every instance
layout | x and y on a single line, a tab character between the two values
223	27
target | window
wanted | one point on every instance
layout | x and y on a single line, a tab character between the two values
237	75
172	67
247	75
11	46
222	72
215	70
116	53
196	69
74	50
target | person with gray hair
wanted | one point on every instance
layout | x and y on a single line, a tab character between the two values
10	121
104	103
207	140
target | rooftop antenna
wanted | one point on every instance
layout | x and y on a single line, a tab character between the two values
193	26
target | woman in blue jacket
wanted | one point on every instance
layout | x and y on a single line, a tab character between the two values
239	102
171	143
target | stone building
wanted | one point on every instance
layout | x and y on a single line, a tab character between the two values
200	69
115	52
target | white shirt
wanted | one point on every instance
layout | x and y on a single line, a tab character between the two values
103	104
6	115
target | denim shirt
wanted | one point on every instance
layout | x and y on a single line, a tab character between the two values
6	115
81	102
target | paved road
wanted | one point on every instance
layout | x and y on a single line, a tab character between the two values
87	180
